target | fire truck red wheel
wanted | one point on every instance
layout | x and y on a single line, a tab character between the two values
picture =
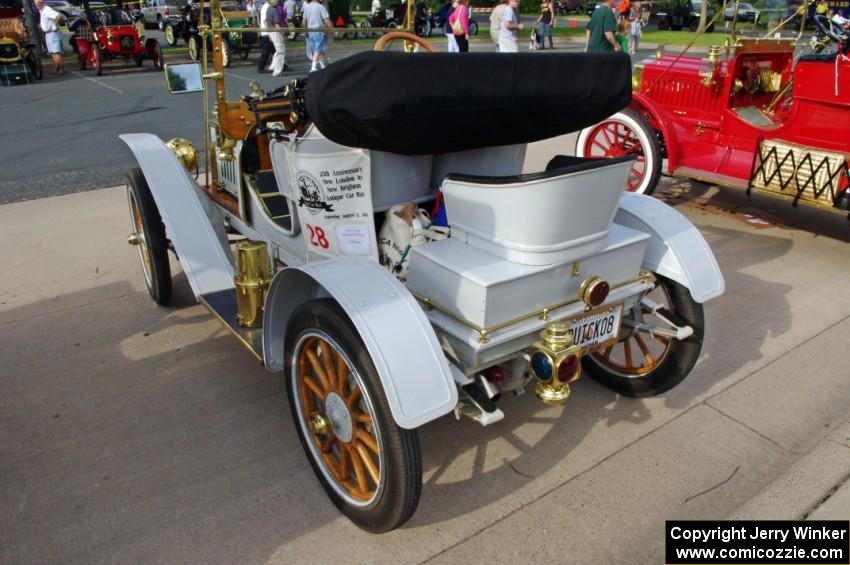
147	233
644	362
96	59
369	466
625	133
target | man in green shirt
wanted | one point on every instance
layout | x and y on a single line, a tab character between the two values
599	37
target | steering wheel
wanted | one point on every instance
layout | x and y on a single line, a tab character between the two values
826	27
408	38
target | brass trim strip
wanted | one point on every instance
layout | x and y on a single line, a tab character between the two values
236	334
542	314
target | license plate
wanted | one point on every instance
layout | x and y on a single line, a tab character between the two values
597	328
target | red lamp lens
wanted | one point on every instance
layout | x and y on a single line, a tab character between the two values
568	368
599	293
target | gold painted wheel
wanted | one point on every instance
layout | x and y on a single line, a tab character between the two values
648	359
410	42
369	466
339	418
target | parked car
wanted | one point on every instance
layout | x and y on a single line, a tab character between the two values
564	7
68	10
757	121
746	13
186	28
375	336
157	13
18	52
112	34
682	14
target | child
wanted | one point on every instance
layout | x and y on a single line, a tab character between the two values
636	25
622	35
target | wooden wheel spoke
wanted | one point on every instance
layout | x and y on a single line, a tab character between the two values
354	397
314	387
650	360
663	339
627	351
362	418
341	373
368	462
318	369
328	363
359	472
344	462
328	443
367	440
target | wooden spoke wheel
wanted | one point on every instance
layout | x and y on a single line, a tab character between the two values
147	233
643	362
370	467
625	133
410	41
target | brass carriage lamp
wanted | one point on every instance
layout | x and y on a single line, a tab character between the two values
555	361
710	67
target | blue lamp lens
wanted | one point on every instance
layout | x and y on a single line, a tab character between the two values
541	365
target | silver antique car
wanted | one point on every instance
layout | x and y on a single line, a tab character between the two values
543	274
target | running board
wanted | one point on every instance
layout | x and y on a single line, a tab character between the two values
222	304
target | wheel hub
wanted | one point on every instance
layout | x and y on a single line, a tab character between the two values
339	416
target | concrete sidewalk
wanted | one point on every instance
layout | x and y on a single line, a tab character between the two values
133	433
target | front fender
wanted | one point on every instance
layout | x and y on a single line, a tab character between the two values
676	248
410	362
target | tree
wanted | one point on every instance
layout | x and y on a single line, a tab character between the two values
703	16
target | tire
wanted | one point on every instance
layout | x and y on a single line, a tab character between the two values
97	67
352	30
694	25
170	36
194	47
34	63
320	329
473	27
633	135
146	224
82	61
664	368
243	54
663	25
160	23
138	59
158	58
226	54
363	25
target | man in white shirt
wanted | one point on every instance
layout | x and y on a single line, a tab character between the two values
376	6
265	42
316	16
49	22
510	28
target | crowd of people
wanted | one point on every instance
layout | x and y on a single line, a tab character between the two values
272	15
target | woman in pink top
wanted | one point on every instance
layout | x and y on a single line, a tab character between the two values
459	21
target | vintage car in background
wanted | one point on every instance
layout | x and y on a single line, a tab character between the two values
185	27
680	14
757	120
112	34
309	185
19	55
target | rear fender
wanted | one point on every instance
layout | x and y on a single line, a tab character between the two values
676	248
401	342
661	121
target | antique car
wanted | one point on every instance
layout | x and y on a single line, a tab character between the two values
681	14
543	273
757	120
186	28
19	56
111	34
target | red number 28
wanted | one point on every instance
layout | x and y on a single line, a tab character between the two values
317	236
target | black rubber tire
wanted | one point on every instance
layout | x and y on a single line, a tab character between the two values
473	28
159	285
402	458
158	57
680	359
693	26
243	54
663	24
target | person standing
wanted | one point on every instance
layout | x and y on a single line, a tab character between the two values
265	41
599	37
510	28
276	18
545	22
459	22
635	25
496	22
316	16
49	23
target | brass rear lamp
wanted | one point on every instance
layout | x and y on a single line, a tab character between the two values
555	361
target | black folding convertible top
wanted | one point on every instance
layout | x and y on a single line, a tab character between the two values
424	103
